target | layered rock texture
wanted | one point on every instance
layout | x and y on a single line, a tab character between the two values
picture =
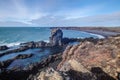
56	37
88	61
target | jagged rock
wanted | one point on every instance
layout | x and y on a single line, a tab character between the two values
104	54
4	47
56	37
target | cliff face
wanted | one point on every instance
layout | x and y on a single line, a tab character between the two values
56	37
102	58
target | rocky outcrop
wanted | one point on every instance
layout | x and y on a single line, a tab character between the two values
101	59
4	47
33	44
56	37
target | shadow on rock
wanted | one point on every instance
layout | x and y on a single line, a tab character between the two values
96	74
100	74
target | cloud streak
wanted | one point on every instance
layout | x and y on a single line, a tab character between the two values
112	19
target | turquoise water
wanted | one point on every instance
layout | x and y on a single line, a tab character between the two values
14	35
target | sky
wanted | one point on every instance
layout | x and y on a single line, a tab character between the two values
45	13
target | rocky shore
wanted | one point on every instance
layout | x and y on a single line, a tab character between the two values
87	61
90	59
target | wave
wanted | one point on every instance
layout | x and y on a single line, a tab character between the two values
17	43
46	41
11	44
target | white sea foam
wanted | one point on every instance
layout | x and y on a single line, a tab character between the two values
46	41
99	36
17	43
11	44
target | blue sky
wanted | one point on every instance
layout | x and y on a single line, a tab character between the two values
59	12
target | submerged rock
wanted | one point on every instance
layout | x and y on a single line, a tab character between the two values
56	37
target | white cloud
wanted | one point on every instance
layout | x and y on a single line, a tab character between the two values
20	12
51	13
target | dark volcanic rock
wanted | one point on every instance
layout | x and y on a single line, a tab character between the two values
33	44
56	37
3	47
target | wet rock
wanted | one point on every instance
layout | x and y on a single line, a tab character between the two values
4	47
5	64
56	37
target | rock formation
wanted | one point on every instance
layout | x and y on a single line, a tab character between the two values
101	59
56	37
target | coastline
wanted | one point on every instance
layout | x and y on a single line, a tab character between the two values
50	61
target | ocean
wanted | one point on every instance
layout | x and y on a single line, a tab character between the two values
15	35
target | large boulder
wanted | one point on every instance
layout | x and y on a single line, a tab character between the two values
56	37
